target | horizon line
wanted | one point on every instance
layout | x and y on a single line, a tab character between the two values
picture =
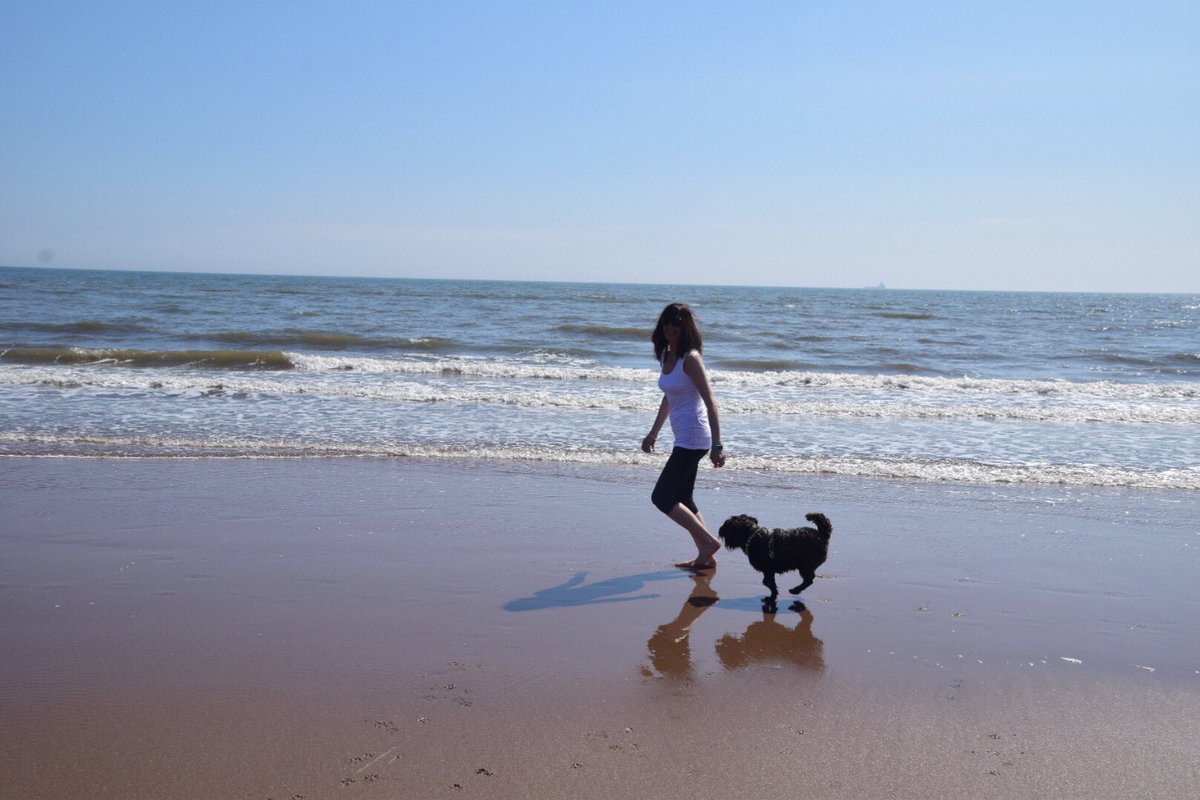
881	287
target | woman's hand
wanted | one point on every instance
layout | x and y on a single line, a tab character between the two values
717	454
648	443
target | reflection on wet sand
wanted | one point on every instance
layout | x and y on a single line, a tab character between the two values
670	648
765	641
768	641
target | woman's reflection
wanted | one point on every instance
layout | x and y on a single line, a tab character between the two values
670	650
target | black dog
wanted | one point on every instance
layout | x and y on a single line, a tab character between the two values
774	552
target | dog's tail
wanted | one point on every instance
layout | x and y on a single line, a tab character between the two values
824	526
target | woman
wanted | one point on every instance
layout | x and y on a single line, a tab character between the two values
689	403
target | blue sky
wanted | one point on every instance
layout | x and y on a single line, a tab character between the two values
962	145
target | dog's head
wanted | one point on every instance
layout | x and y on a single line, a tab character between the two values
736	531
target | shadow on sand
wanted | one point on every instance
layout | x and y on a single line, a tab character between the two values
575	592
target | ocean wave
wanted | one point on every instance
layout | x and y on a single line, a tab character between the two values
205	359
796	386
601	390
914	315
83	326
480	367
329	340
538	366
428	357
759	364
747	467
635	334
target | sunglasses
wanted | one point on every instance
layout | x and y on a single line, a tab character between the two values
676	321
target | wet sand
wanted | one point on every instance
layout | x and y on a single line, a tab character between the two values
405	629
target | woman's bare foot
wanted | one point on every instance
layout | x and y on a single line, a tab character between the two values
704	560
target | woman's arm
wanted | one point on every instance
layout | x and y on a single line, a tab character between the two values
664	408
693	366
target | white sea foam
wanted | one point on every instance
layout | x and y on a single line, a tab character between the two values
580	370
508	383
945	470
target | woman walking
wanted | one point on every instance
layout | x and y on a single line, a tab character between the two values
689	403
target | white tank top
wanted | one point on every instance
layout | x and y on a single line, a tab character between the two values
689	417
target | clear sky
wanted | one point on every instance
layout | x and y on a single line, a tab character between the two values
965	145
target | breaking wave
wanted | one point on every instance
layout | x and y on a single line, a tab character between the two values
204	359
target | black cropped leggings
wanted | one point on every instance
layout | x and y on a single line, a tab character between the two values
678	480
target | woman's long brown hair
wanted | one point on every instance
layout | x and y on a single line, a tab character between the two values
689	333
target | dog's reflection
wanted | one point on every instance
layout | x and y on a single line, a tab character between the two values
765	641
670	648
768	641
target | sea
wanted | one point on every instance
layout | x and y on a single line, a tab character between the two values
1000	388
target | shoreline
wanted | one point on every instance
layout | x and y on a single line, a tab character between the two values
750	473
265	628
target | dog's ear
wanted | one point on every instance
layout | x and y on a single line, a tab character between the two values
741	523
731	524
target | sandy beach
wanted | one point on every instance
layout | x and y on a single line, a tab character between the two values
438	629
